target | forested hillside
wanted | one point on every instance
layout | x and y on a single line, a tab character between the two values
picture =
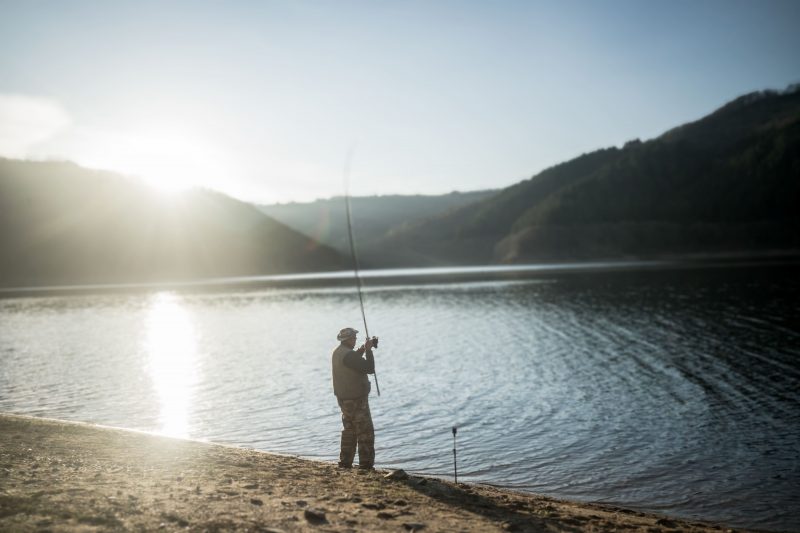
63	224
729	182
374	217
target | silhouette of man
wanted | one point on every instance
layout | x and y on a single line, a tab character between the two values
351	387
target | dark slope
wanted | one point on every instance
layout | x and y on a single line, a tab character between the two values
60	224
374	217
729	182
469	234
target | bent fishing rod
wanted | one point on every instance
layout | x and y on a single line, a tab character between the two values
355	256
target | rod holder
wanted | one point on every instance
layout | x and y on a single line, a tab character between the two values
455	463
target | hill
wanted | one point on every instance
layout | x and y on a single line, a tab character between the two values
729	182
63	224
374	217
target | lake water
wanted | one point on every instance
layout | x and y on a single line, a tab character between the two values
671	390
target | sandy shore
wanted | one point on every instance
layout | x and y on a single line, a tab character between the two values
59	476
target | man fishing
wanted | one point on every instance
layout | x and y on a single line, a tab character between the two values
351	387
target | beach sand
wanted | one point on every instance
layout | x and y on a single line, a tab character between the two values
62	476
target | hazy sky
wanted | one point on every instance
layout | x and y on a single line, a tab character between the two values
264	99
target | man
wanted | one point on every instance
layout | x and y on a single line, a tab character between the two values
351	387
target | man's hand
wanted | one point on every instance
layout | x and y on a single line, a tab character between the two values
367	346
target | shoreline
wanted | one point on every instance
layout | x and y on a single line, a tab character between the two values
71	476
419	275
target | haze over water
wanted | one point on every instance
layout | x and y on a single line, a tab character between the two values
673	391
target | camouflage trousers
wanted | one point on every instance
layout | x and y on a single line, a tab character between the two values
357	432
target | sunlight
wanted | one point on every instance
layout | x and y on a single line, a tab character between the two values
172	361
168	156
169	162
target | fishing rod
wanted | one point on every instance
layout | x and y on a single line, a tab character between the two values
455	465
355	256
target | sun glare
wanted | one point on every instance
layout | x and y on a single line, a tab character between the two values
172	362
167	157
169	162
167	180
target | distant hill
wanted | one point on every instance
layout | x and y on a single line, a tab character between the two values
374	217
63	224
729	182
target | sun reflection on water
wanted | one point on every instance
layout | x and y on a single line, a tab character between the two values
172	361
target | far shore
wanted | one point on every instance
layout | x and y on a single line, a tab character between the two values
67	476
421	275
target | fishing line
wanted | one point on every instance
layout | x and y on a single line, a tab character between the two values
353	253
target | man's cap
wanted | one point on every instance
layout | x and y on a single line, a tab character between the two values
346	333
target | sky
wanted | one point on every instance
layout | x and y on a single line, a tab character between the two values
264	100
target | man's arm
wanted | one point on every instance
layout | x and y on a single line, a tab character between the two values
355	360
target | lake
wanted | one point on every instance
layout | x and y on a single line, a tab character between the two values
664	388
